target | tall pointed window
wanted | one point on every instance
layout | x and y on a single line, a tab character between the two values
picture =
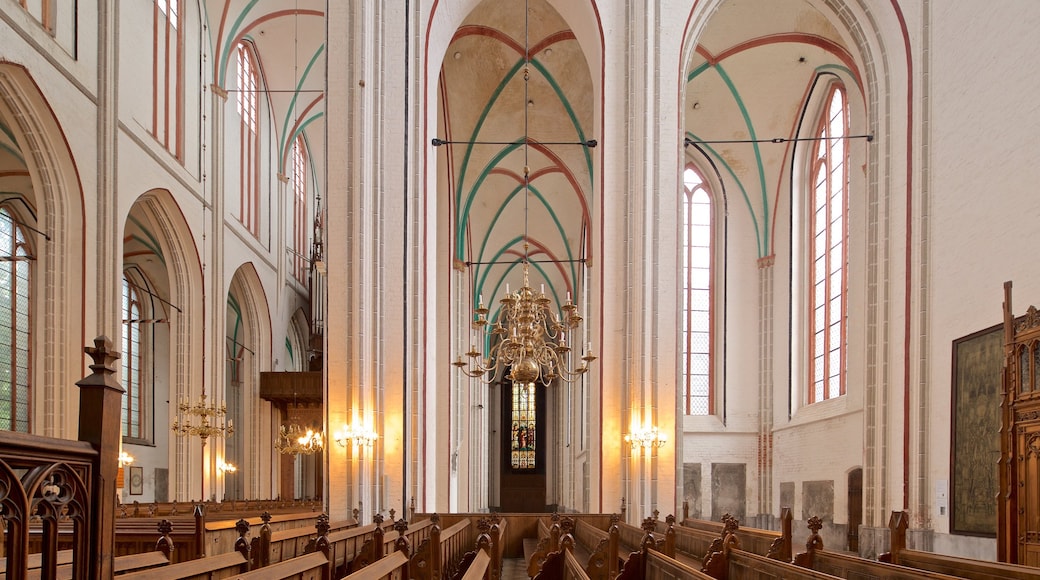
299	186
249	178
698	395
15	332
829	233
132	361
168	76
42	11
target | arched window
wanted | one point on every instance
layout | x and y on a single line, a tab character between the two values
828	250
698	395
247	100
168	76
42	11
299	186
133	376
15	326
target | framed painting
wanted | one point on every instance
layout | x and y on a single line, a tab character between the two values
136	480
975	424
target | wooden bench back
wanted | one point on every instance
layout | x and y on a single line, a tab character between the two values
211	567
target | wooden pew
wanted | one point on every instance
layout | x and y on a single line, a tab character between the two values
344	545
536	549
392	566
728	561
121	565
313	566
660	566
952	565
601	563
755	540
561	564
274	546
440	554
211	568
490	540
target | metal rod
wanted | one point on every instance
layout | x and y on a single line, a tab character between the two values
156	296
687	141
529	261
437	142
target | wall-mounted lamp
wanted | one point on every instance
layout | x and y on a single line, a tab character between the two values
226	467
125	458
356	435
646	438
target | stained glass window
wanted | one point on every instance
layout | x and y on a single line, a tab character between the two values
522	446
15	372
132	361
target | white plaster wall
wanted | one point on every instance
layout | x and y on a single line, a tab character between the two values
984	198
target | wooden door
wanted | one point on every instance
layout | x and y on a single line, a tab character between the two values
855	508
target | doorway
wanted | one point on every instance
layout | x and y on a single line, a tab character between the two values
855	508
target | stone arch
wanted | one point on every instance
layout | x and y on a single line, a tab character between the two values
183	286
251	349
60	296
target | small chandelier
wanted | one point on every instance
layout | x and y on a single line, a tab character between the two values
202	420
528	337
646	438
295	440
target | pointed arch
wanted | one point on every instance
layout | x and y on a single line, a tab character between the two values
248	343
57	198
176	274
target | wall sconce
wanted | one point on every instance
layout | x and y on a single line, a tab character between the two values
356	435
125	458
225	467
646	438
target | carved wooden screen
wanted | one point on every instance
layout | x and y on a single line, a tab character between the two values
1018	534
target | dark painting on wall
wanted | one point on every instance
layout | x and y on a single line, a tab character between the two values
975	440
728	490
818	500
692	488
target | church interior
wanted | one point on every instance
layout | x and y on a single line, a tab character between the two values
689	257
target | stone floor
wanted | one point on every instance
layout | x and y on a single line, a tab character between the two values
514	569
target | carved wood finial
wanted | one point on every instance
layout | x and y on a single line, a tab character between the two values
322	526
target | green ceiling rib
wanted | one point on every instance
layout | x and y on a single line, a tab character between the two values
223	62
498	214
740	185
11	148
570	112
292	108
464	216
697	71
473	137
151	243
763	247
288	347
303	126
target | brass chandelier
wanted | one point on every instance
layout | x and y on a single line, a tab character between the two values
528	337
295	440
203	420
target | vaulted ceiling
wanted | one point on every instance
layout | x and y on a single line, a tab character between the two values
289	42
